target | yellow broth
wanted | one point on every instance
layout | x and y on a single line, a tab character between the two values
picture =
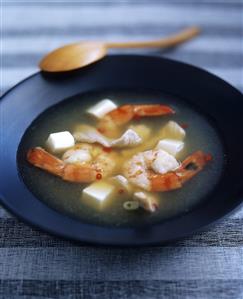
67	197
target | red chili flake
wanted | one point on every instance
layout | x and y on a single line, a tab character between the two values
107	149
167	183
137	117
120	191
155	206
102	131
184	125
98	176
209	157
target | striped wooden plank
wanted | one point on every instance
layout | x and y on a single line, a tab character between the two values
178	3
104	31
109	264
143	289
162	14
206	60
205	44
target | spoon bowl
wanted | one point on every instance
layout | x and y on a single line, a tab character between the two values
78	55
73	56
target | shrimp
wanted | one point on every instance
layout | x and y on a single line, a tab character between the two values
77	166
190	167
110	123
153	171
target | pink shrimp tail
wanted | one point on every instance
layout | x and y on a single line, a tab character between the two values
125	113
42	159
190	167
69	172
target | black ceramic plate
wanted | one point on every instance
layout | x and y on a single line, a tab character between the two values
211	95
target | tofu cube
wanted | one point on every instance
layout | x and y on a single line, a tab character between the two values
60	141
102	108
143	131
98	193
171	146
173	130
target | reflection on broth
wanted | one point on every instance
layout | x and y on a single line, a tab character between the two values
108	162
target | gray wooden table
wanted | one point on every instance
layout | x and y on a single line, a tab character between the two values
36	265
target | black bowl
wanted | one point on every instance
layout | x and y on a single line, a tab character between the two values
212	96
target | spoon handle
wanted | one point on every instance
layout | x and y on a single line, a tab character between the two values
159	43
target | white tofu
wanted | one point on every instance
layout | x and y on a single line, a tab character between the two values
102	108
173	131
143	131
60	141
89	134
171	146
129	139
98	193
164	162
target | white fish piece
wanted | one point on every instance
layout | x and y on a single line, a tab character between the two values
171	146
163	162
172	130
89	134
129	139
77	156
102	108
60	141
122	182
148	201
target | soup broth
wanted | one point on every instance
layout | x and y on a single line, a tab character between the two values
66	197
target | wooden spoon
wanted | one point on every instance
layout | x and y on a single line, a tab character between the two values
74	56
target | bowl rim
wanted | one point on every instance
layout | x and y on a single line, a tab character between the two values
119	242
